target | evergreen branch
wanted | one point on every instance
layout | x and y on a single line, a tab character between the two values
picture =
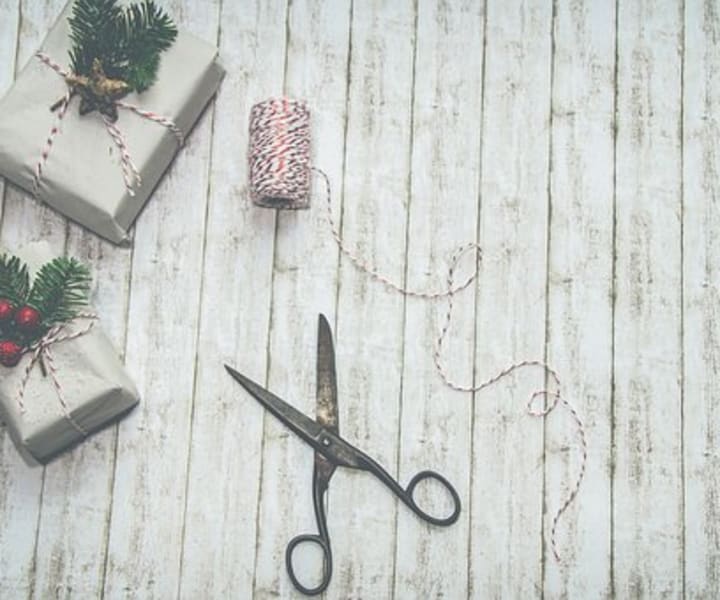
14	280
90	25
127	42
148	31
141	75
60	290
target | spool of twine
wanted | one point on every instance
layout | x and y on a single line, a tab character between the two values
279	154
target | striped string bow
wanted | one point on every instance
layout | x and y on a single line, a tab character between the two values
41	354
130	171
279	177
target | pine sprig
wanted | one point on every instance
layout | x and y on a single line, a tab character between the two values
60	290
148	31
116	50
14	279
90	24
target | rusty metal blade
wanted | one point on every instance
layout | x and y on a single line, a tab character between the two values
301	424
326	410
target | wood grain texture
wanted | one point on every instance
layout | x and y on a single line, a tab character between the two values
507	471
9	27
226	451
580	279
148	508
369	323
436	422
647	482
577	142
304	284
25	219
15	520
77	496
701	298
9	24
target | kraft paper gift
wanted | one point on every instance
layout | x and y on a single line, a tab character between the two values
82	176
95	387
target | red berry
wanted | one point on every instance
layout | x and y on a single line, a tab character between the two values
27	319
10	353
7	310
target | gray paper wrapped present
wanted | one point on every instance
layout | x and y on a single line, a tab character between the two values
94	387
82	173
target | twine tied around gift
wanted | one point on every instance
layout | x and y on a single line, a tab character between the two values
279	173
130	171
41	355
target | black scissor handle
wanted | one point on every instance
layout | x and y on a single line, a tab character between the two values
406	495
327	562
321	477
409	498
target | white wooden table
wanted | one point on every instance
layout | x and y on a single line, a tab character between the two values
576	141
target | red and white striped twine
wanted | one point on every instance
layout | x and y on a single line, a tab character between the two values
278	169
40	353
279	154
54	130
131	174
156	118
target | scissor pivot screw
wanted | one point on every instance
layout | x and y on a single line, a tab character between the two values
325	442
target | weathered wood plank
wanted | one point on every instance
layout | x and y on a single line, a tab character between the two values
144	550
24	220
304	284
369	321
411	145
77	498
15	522
9	24
225	462
9	30
507	477
701	295
436	422
647	482
580	294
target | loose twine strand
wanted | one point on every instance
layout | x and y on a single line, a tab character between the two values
130	171
279	174
449	292
40	353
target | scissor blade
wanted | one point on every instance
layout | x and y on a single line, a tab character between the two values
326	411
301	424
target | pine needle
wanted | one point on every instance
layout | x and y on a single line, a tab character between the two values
127	42
60	290
14	280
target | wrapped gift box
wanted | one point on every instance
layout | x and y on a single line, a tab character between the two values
95	386
82	176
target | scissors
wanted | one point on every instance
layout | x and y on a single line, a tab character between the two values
332	451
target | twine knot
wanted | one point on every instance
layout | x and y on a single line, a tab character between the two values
103	94
41	354
98	91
